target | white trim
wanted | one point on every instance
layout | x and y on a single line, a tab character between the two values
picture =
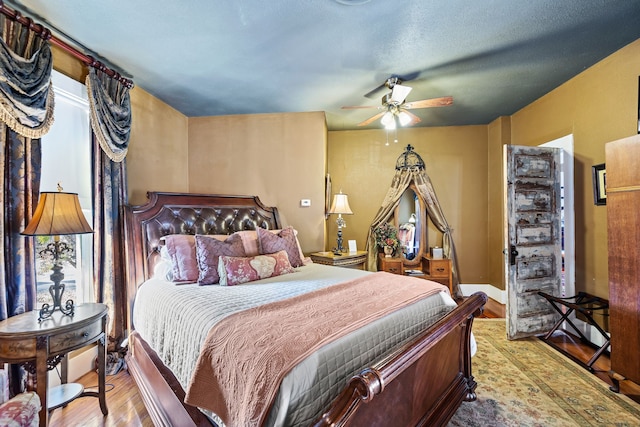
566	143
492	292
81	362
589	331
71	90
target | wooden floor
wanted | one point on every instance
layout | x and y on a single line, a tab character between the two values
123	401
126	407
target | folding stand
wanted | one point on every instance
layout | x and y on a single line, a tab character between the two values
584	304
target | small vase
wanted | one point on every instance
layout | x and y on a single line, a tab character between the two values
388	251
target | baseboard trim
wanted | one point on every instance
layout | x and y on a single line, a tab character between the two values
80	363
492	292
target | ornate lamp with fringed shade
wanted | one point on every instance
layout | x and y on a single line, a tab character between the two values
57	214
340	206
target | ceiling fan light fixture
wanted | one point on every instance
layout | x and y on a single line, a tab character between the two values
387	120
404	118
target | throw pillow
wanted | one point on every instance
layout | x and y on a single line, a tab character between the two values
237	270
285	240
208	252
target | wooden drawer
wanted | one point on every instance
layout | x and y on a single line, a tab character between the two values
17	349
73	339
390	265
437	267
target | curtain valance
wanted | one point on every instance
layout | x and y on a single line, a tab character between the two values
26	93
110	113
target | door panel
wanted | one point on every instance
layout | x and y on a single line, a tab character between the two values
532	203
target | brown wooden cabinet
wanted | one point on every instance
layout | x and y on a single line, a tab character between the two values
390	265
437	270
623	223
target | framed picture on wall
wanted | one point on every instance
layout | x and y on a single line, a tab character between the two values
599	175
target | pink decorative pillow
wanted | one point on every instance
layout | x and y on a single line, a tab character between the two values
208	251
181	249
285	240
237	270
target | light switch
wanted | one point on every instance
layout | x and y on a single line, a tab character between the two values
305	203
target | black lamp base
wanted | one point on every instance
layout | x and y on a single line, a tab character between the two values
339	250
56	290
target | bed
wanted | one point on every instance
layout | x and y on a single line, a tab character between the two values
391	370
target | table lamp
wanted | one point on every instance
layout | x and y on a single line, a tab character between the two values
340	206
57	214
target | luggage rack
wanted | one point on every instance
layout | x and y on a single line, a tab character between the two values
584	304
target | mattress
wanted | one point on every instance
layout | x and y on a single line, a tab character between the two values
175	319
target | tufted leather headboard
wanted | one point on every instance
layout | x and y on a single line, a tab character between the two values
181	213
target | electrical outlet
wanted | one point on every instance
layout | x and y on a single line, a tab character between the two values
305	203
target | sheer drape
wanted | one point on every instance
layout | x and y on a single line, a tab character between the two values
26	113
111	124
401	181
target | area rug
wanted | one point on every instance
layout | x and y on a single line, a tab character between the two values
528	383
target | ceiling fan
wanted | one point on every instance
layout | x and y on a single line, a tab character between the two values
395	108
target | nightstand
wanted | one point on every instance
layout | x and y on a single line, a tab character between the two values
348	259
390	264
438	270
40	346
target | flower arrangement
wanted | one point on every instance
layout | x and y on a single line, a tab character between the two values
386	235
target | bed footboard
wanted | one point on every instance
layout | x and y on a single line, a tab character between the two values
162	394
422	384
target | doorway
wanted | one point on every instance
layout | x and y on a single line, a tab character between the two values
567	212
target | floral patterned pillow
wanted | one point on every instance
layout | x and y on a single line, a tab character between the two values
285	240
20	411
208	252
237	270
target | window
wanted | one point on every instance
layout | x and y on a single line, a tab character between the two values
66	160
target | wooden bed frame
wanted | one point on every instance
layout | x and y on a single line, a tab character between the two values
421	383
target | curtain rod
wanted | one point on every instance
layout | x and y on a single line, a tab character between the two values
46	34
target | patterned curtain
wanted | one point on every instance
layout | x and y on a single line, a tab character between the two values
26	113
111	124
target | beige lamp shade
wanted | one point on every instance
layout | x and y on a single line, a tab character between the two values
57	214
340	205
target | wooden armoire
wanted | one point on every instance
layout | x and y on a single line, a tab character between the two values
623	224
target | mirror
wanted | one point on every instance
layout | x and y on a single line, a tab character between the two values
411	221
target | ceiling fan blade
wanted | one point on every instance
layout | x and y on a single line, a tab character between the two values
399	93
414	119
371	119
359	107
426	103
374	93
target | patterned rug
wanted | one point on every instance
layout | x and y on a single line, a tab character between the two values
527	383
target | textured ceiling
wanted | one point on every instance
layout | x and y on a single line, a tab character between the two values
219	57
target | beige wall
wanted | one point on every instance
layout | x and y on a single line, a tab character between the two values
499	134
597	106
362	166
278	157
158	149
157	157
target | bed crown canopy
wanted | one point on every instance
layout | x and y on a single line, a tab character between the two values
410	169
